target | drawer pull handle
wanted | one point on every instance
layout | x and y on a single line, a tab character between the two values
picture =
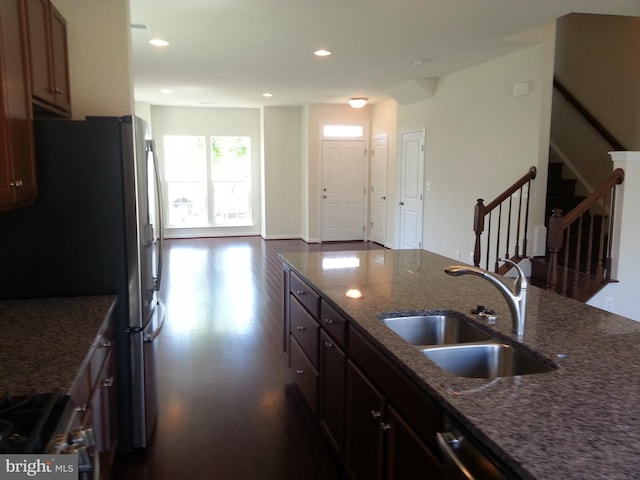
385	426
375	414
300	292
328	344
108	382
106	344
299	372
328	321
301	328
82	408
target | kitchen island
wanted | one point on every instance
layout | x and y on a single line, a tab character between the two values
580	421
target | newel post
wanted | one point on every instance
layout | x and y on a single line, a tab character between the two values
554	244
478	228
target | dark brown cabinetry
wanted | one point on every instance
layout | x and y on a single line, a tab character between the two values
95	397
48	60
17	165
379	423
331	413
381	444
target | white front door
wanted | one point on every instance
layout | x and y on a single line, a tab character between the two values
343	190
379	189
411	189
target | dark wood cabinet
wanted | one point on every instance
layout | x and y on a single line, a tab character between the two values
380	443
365	441
379	423
105	419
406	455
17	163
48	57
95	398
331	391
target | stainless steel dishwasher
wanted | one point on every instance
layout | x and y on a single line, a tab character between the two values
461	460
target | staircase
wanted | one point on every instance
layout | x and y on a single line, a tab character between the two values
577	263
561	192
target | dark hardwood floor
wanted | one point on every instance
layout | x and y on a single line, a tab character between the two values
227	410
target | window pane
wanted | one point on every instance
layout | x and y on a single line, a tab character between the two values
343	131
185	165
231	177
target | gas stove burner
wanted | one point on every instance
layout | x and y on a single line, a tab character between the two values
28	422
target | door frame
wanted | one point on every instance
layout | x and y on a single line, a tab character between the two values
367	184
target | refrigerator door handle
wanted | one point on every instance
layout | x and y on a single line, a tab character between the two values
151	147
162	312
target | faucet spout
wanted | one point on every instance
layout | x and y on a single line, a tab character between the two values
516	298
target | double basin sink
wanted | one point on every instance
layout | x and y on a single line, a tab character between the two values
457	345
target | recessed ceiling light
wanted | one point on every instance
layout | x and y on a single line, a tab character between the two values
166	90
158	42
267	95
322	53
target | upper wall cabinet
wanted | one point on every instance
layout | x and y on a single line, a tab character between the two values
48	59
17	171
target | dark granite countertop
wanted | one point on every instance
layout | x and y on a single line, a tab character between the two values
44	343
581	421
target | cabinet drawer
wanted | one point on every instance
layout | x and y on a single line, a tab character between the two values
305	329
418	409
305	294
103	347
333	323
305	375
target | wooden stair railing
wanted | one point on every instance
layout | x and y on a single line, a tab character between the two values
482	212
586	272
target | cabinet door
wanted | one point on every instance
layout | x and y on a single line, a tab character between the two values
305	375
406	455
39	54
365	406
331	391
17	168
107	425
59	60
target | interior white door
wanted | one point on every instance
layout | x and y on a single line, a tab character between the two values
343	190
411	189
379	158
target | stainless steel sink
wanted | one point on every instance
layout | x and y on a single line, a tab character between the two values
435	329
488	360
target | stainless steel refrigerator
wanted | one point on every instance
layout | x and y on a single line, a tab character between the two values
96	228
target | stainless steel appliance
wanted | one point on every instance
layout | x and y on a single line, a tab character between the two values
47	423
461	459
96	228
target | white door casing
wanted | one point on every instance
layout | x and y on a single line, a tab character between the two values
411	189
379	158
343	190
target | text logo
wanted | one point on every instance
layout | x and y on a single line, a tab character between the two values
49	467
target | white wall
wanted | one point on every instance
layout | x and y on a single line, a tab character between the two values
99	56
282	158
207	122
622	297
480	138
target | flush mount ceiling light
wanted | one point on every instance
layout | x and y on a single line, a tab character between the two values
267	95
166	91
322	53
158	42
358	102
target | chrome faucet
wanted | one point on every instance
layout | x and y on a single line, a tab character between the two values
517	299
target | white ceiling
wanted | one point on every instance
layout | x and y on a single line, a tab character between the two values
226	53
